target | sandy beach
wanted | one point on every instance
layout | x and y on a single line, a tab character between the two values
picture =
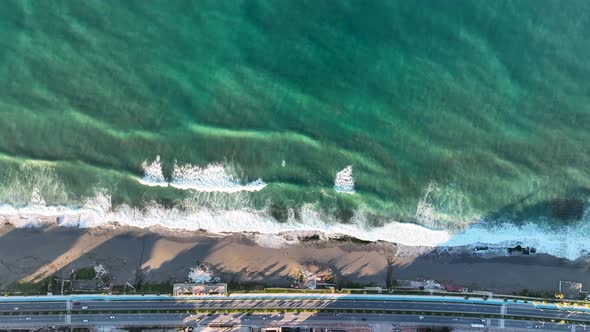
32	254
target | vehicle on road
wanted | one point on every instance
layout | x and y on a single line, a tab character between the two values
85	307
28	318
85	321
112	317
15	308
421	317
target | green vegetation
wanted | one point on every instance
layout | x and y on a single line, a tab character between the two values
530	293
244	287
390	282
31	288
86	273
158	288
341	284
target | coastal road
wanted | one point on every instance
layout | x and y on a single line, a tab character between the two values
531	311
524	310
308	320
118	311
288	304
16	321
33	306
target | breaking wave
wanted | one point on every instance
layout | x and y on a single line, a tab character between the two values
33	183
344	182
214	177
98	212
34	197
446	208
568	241
153	175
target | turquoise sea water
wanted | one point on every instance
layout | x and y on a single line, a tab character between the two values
470	109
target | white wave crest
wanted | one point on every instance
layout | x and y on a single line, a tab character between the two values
214	177
153	175
34	183
444	208
344	182
568	241
214	221
36	198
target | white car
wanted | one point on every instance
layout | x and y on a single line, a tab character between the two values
28	318
85	307
85	321
112	317
421	317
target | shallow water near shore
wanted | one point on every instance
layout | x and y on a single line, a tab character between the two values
418	123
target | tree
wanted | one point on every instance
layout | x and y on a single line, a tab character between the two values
390	282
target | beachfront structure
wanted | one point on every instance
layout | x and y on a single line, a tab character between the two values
187	289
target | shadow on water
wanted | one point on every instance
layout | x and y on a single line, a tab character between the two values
565	209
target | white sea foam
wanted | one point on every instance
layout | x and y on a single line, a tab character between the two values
153	175
344	182
213	177
96	212
37	199
568	241
34	183
274	241
444	208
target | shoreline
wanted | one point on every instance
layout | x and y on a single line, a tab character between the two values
566	241
164	255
